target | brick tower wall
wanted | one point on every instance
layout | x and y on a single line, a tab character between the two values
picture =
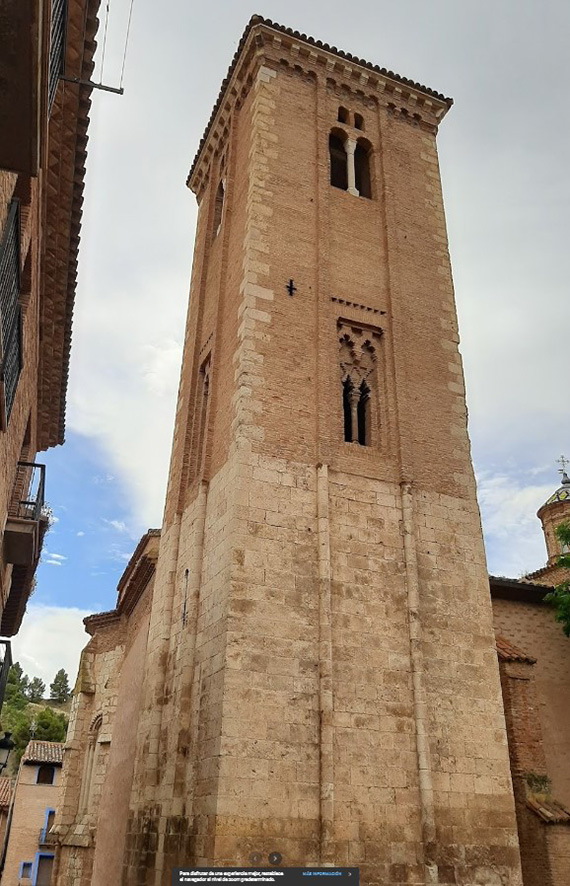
321	678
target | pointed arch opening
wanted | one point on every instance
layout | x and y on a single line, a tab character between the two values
342	115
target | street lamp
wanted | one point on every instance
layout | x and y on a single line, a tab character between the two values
6	745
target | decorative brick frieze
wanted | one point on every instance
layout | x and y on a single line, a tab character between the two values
261	46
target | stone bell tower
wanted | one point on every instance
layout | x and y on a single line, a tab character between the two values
554	511
321	680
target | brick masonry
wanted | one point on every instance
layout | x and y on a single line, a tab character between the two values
18	435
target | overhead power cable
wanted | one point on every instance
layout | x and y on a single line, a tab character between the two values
126	43
104	40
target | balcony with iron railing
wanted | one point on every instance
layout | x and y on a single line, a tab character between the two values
10	312
46	838
23	538
32	59
22	532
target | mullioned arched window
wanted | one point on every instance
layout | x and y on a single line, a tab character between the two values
358	370
349	160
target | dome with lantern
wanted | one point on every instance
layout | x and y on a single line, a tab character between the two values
562	494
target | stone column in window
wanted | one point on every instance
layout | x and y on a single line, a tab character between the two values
354	400
350	146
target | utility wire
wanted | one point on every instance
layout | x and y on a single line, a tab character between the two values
104	40
126	43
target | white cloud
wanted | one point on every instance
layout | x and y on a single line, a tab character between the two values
119	525
52	559
80	534
51	637
104	480
514	538
507	196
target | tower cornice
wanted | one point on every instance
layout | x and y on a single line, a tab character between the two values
405	98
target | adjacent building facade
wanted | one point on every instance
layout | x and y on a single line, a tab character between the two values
310	670
534	658
46	60
102	733
28	846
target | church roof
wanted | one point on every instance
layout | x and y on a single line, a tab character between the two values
317	44
562	494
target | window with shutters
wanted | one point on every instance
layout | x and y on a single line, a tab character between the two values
44	870
56	63
10	311
46	774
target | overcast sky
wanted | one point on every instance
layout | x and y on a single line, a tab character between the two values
504	150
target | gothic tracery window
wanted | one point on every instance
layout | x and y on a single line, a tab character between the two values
358	358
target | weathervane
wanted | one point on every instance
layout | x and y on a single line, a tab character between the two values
563	462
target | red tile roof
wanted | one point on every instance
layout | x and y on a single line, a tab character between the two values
5	792
550	811
44	752
507	652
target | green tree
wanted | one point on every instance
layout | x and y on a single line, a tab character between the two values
50	725
15	673
59	690
36	690
560	596
16	687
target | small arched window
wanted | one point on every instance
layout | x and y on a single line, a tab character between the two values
342	115
359	121
46	774
338	161
218	208
362	169
90	765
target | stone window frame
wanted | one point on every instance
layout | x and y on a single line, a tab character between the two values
360	363
90	765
